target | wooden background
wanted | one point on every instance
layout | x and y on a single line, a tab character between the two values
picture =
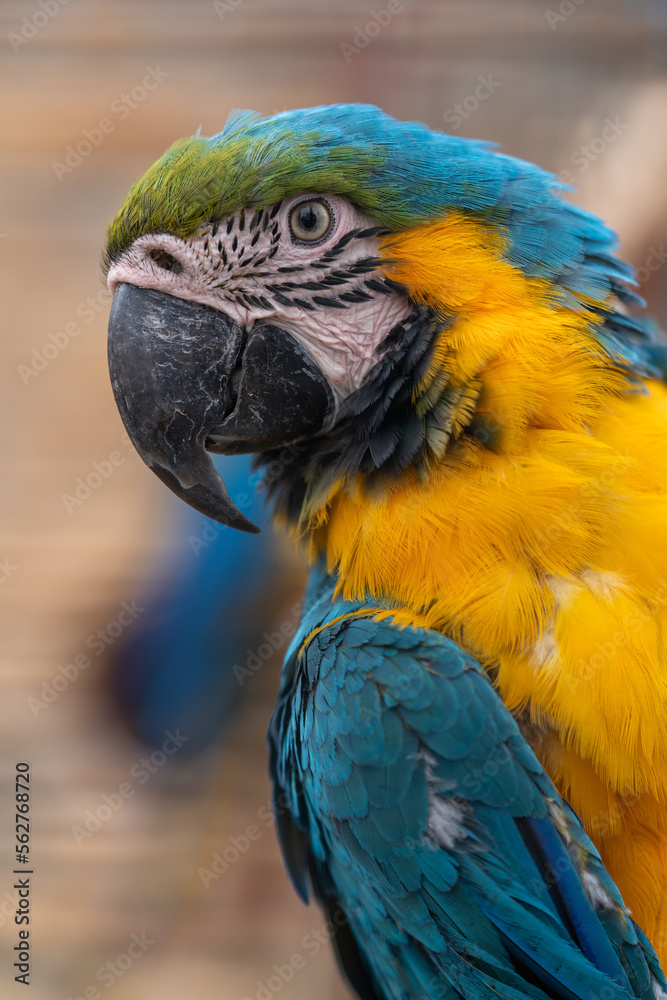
67	572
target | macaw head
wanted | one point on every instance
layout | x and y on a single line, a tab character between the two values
337	292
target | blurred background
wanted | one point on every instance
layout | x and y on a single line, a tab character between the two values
156	872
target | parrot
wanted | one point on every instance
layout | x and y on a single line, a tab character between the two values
442	368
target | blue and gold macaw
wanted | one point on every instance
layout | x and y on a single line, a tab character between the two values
434	359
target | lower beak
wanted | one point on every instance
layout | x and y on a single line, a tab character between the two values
186	377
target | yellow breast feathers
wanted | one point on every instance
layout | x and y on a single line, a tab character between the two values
546	557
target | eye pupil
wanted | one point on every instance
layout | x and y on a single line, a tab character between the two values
307	217
311	221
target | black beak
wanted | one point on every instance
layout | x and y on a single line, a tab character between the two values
186	377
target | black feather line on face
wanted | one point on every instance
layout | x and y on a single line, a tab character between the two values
378	432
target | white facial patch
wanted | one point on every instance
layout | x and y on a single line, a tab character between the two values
331	295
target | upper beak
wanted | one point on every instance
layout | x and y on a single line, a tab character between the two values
186	377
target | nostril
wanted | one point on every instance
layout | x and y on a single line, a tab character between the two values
166	261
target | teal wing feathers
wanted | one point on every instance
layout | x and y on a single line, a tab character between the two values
412	804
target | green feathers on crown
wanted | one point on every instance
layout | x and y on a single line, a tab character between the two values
251	164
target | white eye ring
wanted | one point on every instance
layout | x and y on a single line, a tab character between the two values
311	221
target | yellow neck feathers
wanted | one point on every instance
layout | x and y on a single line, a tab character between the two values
544	380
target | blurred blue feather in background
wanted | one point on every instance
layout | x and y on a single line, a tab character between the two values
204	609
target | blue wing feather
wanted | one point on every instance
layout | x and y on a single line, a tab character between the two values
432	826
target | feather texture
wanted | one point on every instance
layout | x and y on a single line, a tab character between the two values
498	486
430	827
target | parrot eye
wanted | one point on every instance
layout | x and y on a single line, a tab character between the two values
310	221
166	261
